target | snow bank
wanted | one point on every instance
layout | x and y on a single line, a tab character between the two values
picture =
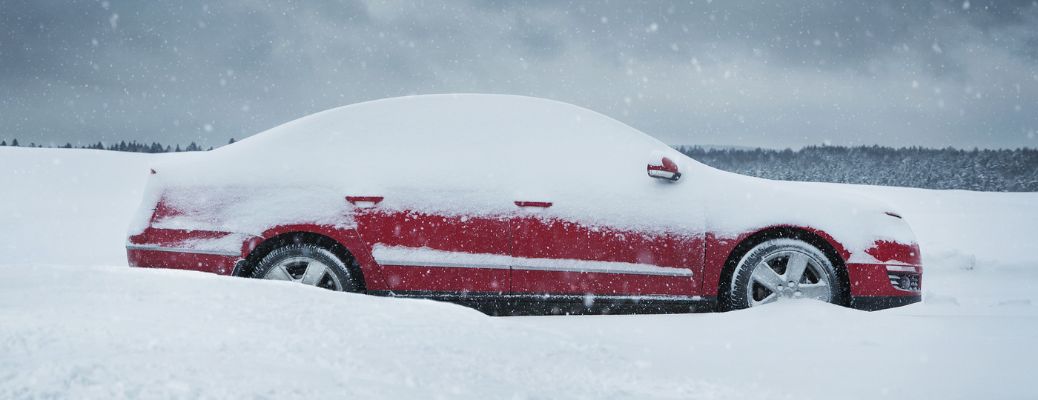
111	333
68	206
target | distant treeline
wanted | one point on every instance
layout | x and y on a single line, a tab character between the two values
985	170
131	146
1013	170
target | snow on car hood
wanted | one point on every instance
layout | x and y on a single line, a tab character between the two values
477	154
745	204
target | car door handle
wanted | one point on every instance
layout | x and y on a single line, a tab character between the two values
538	204
364	201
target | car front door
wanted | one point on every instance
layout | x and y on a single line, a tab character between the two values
567	259
609	243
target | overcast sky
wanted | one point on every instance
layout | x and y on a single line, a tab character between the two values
756	73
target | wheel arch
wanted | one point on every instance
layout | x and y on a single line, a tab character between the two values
260	248
833	249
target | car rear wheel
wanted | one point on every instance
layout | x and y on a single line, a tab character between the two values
781	269
307	264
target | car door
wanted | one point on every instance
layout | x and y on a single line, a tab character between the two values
555	256
548	252
658	262
557	252
437	254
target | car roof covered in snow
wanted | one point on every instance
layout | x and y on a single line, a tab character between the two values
439	139
454	121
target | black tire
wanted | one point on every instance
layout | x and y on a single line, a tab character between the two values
294	260
819	277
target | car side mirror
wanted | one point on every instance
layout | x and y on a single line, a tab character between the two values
665	169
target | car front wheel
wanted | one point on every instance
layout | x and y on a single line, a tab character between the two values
780	269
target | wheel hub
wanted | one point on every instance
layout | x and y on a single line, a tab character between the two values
788	274
305	270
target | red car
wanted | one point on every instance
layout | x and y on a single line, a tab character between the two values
515	205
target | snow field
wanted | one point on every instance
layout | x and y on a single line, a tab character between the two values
76	323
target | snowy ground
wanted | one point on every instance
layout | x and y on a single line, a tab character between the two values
76	323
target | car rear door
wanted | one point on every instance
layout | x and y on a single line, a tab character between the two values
437	254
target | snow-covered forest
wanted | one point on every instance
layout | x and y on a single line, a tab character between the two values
1002	170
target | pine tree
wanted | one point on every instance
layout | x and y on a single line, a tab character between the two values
231	141
14	143
3	143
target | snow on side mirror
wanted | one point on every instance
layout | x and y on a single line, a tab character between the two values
665	169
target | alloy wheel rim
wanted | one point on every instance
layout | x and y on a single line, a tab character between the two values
305	270
788	274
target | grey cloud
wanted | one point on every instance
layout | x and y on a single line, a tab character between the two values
726	72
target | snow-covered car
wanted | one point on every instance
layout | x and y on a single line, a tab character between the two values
511	205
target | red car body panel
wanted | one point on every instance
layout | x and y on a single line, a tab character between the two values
478	234
157	245
526	236
888	251
217	264
872	279
407	279
700	259
599	284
